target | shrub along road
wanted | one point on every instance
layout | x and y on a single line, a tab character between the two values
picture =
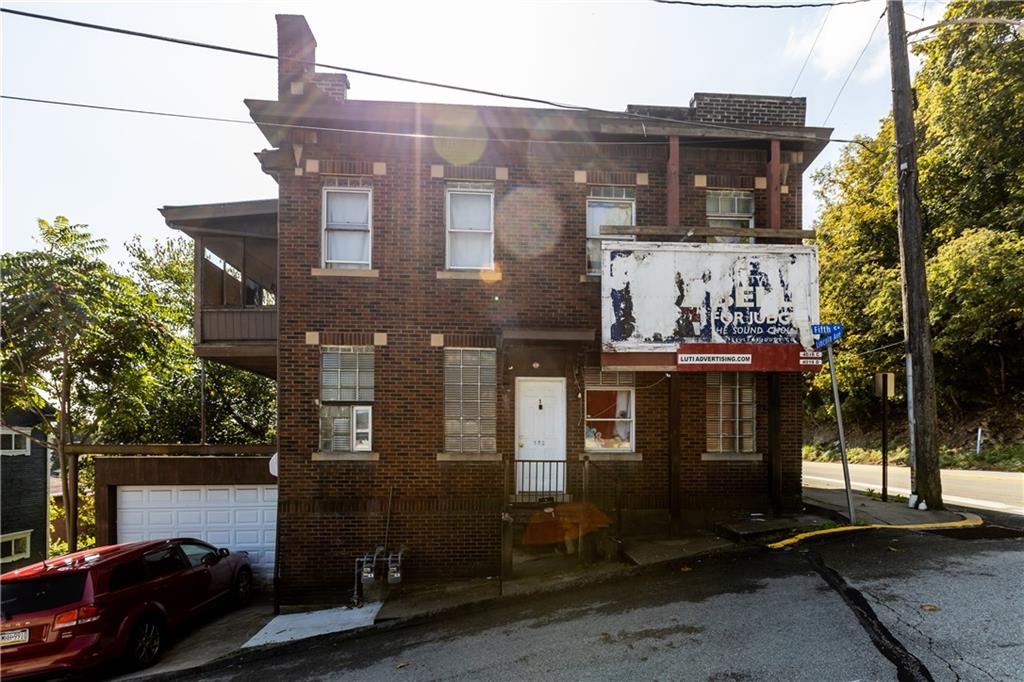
871	605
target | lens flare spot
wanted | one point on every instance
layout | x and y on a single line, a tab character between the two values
540	221
453	128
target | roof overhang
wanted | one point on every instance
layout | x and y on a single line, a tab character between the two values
256	218
277	121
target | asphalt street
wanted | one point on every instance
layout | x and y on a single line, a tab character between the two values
861	606
992	490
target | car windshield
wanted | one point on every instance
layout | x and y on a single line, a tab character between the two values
41	594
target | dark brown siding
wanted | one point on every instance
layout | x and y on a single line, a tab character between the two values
239	324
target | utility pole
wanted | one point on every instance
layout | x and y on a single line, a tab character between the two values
921	393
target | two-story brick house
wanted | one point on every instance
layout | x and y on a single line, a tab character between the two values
440	307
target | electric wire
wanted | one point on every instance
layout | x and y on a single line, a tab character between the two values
854	68
376	74
357	131
875	350
811	51
381	133
741	5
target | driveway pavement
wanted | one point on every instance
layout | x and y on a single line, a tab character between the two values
872	605
221	633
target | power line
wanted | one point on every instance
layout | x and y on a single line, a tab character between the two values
375	74
357	131
737	5
854	68
811	51
327	129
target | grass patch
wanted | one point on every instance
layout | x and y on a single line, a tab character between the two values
1008	458
877	495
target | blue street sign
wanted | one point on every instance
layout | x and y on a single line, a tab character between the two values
827	334
825	341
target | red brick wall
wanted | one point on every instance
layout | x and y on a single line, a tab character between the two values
448	513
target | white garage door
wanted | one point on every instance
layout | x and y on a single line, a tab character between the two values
239	517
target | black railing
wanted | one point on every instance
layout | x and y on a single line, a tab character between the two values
539	480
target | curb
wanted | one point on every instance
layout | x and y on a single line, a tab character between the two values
244	656
966	520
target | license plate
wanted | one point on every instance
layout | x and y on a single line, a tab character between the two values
14	637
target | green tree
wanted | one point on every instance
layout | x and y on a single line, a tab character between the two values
241	406
76	334
970	136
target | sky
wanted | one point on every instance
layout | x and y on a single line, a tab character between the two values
113	170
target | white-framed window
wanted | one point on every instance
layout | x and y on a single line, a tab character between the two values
607	206
348	226
730	208
469	226
610	409
470	400
13	443
14	546
362	417
731	412
346	396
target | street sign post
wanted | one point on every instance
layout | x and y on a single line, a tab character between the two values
828	334
885	383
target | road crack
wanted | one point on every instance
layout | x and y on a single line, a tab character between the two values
916	627
909	668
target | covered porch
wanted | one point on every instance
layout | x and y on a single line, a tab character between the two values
236	284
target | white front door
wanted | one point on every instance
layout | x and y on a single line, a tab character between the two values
540	435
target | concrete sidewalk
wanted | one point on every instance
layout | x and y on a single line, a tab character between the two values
871	511
420	600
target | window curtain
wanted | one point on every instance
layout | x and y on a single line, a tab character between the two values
470	211
348	245
607	213
349	209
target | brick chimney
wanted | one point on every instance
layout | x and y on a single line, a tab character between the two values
297	78
296	51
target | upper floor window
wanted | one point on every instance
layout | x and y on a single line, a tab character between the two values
348	226
731	412
13	443
346	380
607	206
730	208
469	223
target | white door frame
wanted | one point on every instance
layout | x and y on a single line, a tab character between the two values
553	481
565	417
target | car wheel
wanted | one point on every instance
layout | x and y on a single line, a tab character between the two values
145	644
241	593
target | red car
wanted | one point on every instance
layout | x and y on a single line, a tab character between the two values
117	602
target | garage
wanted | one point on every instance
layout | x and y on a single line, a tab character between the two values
239	517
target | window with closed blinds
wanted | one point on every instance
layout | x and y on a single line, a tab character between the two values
346	379
731	412
470	397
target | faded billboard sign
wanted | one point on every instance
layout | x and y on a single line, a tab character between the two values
656	296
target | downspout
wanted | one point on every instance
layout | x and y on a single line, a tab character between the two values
675	382
774	187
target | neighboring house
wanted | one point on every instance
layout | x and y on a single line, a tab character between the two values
453	332
24	493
